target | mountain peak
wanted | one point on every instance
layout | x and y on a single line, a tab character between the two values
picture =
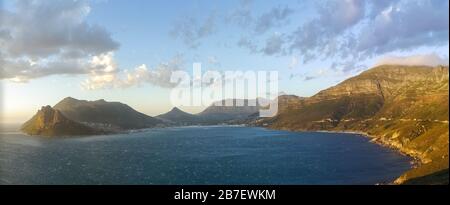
176	109
405	70
179	117
51	122
46	108
69	99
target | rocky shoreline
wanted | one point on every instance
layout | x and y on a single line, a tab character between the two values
416	159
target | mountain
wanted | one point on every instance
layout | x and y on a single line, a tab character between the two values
179	117
50	122
405	107
100	113
80	117
219	112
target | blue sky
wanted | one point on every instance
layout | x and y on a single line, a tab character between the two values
48	49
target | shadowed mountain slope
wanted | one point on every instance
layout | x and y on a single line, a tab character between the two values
103	113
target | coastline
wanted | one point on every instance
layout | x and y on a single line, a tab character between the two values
415	162
377	140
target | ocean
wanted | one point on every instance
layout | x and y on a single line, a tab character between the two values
199	155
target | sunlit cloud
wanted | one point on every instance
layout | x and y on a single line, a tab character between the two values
431	59
110	77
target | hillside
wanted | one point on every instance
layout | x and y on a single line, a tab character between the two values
179	117
100	113
220	112
50	122
405	107
80	117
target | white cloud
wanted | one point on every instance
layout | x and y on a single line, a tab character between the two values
41	38
112	78
431	59
405	25
103	73
105	62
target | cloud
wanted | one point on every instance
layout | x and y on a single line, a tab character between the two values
406	25
431	59
104	74
21	70
41	38
242	15
303	77
159	75
191	31
349	32
245	19
112	78
320	36
311	39
275	17
274	45
247	43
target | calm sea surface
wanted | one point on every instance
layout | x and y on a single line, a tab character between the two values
199	155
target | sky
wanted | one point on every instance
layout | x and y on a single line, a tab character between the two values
126	50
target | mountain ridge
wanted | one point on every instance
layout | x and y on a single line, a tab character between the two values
115	115
91	117
404	107
229	110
